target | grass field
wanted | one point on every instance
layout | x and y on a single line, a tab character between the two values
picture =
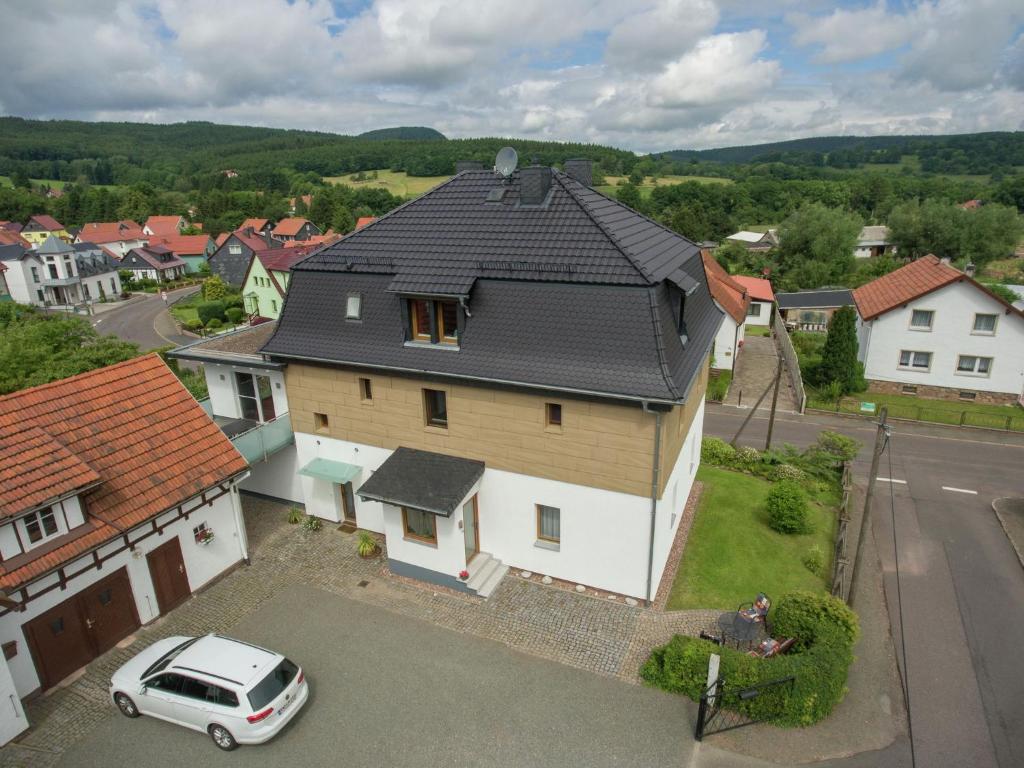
611	182
5	181
397	183
937	411
732	554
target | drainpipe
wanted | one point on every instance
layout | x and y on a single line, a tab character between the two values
655	473
236	506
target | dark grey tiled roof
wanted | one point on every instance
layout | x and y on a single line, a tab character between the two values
432	482
241	346
815	299
569	295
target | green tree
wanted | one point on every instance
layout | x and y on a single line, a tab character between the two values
636	177
629	194
989	233
839	355
816	246
214	288
20	179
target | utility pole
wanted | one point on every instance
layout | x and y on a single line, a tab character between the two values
881	438
775	401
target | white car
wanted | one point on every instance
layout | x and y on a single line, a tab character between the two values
237	692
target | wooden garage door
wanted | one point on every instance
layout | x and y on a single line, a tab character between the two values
76	631
167	569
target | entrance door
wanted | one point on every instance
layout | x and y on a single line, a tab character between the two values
167	569
348	503
76	631
471	528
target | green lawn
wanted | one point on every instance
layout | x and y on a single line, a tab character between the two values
611	183
185	310
732	554
938	411
757	330
397	183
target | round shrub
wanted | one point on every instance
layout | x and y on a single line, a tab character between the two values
209	310
787	508
803	615
234	314
788	472
746	457
716	452
214	324
814	561
233	300
193	325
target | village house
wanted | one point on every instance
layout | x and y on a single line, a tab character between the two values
266	281
40	227
872	242
811	310
230	260
117	237
930	330
60	274
153	262
109	518
733	300
755	241
164	226
293	203
259	226
762	299
295	229
194	250
506	371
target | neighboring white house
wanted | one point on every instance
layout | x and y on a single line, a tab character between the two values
873	241
60	274
153	262
118	237
755	241
732	298
97	536
762	299
928	329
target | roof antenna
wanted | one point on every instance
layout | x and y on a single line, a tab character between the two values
505	163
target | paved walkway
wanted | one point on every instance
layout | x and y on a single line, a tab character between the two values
755	372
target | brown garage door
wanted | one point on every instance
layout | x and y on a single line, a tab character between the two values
76	631
167	569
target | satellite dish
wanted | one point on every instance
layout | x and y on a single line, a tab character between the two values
506	161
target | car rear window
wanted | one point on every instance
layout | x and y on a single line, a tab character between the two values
271	686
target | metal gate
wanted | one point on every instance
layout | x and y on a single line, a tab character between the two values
723	708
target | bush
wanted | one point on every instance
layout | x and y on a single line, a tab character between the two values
234	300
214	288
787	472
234	314
214	324
825	630
842	447
210	310
787	508
746	458
193	325
716	452
311	523
295	515
814	561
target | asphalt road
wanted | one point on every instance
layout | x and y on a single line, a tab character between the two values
961	584
393	691
143	321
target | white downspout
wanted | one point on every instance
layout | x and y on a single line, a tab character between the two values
236	505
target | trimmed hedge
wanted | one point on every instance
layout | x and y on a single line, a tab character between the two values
825	630
787	508
211	310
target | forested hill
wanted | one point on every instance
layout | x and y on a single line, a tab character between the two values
969	153
185	156
404	133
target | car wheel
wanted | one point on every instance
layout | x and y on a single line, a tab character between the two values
222	737
126	705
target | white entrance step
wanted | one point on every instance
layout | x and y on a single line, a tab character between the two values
486	573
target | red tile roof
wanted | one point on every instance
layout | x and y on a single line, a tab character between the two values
48	223
221	238
256	224
727	292
364	220
289	227
133	424
902	285
35	469
283	259
165	226
8	237
759	289
100	232
183	245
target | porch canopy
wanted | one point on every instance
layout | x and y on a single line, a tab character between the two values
431	482
334	471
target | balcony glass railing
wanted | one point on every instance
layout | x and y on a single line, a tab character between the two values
261	442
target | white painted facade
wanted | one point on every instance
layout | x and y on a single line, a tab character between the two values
951	335
759	313
24	289
25	278
605	536
221	383
727	343
203	563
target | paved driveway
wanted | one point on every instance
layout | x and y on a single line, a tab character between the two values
394	691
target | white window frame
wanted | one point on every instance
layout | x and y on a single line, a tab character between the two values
910	365
754	309
38	514
922	328
995	324
235	250
975	370
354	306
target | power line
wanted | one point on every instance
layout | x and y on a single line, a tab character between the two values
899	605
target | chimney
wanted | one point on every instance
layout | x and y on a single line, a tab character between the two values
268	239
468	165
581	169
534	181
969	270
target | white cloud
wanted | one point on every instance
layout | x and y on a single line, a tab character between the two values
649	38
850	35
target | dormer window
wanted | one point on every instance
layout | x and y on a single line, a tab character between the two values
40	526
434	321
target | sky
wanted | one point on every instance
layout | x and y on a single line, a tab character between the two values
645	75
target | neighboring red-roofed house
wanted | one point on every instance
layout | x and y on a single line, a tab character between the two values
259	226
762	299
120	500
362	221
266	279
153	262
164	226
194	250
293	204
40	227
734	301
930	330
117	237
295	229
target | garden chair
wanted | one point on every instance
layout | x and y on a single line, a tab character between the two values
772	647
756	611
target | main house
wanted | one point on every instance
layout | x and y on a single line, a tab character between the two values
503	372
929	329
733	299
59	274
119	501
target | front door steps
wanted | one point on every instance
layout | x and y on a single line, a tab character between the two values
485	574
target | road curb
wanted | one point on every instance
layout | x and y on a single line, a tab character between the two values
1018	546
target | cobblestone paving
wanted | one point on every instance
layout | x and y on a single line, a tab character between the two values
578	630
